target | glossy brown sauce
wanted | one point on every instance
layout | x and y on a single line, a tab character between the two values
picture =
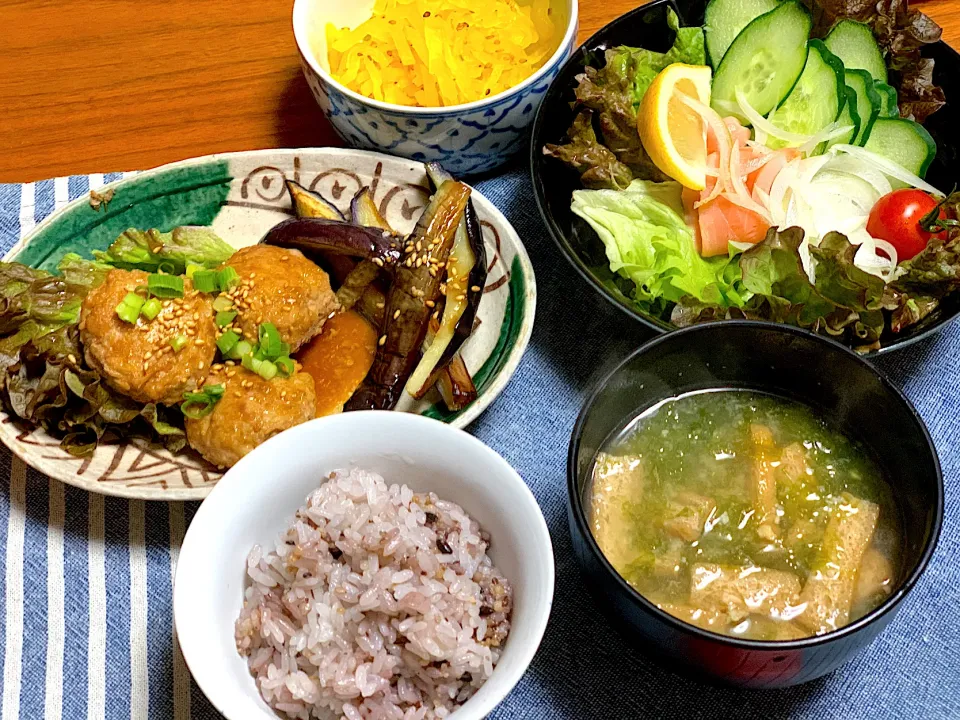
338	359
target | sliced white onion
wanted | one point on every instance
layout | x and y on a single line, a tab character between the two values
863	170
806	259
755	164
759	122
778	192
761	197
715	123
831	131
889	167
740	188
759	147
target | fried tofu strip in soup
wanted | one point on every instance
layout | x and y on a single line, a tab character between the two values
828	594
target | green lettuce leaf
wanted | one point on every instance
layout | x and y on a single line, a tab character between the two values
642	66
43	377
844	302
596	163
80	271
612	95
647	242
149	250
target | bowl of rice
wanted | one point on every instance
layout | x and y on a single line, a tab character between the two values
364	566
452	81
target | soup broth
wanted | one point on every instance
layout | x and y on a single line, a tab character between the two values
746	514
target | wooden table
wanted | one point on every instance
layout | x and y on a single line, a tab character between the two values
101	85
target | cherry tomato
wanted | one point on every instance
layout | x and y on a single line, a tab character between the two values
896	219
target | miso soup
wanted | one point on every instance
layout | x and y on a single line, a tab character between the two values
746	514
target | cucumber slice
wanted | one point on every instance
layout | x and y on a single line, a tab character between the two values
888	100
903	141
816	99
764	61
724	19
855	45
848	116
868	101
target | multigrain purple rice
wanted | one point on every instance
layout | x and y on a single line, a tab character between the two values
378	603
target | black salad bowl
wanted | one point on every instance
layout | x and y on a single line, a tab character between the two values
646	27
795	364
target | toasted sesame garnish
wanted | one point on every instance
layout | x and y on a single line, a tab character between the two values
430	303
396	315
283	394
198	342
476	288
147	355
231	373
72	359
382	340
200	365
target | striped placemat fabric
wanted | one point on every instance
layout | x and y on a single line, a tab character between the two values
86	615
86	628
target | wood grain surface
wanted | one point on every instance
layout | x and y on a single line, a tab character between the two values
101	85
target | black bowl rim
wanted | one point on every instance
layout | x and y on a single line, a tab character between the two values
559	238
576	501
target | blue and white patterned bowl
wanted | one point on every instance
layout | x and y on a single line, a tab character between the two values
467	139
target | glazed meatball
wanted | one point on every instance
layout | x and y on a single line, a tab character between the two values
137	359
251	411
281	287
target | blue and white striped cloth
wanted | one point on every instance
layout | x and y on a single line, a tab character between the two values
86	629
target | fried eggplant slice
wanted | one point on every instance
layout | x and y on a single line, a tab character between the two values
415	289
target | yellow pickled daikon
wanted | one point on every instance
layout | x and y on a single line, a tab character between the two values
432	53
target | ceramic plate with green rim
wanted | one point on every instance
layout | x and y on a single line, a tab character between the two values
242	195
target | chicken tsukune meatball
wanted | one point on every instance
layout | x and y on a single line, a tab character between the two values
282	287
251	411
138	359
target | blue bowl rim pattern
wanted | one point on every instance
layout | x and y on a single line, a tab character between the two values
559	57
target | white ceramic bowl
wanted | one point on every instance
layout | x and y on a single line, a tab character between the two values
467	139
256	500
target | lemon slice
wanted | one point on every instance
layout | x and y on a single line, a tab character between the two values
673	135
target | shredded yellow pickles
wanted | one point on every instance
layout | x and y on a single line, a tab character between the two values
434	53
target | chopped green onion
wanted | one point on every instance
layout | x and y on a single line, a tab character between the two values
166	267
151	308
258	353
198	404
227	278
284	349
192	269
215	391
129	309
251	363
241	350
165	286
225	318
205	281
285	366
222	303
178	342
267	370
270	340
227	342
